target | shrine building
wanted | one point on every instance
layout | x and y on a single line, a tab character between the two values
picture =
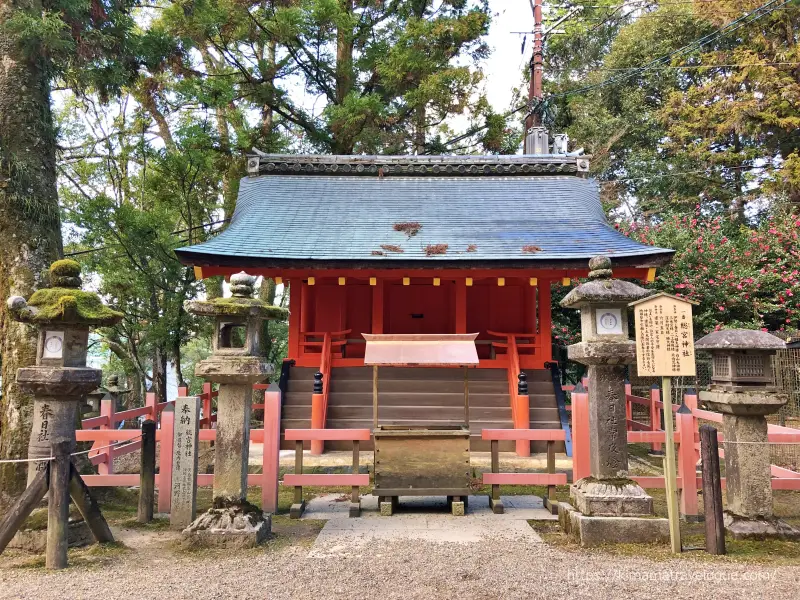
420	245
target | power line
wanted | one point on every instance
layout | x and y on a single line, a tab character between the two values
756	14
689	67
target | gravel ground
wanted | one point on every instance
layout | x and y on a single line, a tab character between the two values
491	568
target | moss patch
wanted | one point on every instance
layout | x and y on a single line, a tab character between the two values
237	307
69	305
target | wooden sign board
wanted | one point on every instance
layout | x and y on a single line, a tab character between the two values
664	336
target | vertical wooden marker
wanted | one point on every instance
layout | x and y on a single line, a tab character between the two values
712	491
670	479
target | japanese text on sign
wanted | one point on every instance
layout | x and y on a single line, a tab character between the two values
664	337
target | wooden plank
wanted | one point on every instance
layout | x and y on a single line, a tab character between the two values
16	515
707	415
780	472
328	434
540	435
792	484
638	400
89	508
344	479
94	422
108	435
525	479
132	413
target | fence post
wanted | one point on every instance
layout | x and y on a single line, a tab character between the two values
272	445
690	399
207	389
317	399
581	466
107	409
687	465
628	406
147	472
655	416
523	414
165	459
151	403
712	491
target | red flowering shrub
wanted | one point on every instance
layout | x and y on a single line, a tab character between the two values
741	276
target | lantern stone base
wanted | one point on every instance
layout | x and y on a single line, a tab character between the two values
597	531
757	402
35	540
229	525
759	529
610	498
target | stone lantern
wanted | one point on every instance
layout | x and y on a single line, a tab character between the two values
605	348
63	314
743	390
235	364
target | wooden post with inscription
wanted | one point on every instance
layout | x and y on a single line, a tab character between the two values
184	462
665	348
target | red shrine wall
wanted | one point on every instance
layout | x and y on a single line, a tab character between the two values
420	307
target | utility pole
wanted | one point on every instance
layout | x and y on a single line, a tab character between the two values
536	138
535	85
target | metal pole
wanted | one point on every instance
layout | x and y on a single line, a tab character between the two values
670	478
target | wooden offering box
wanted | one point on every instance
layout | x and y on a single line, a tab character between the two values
421	461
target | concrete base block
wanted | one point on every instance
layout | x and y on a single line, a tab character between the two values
610	498
387	508
458	509
355	509
551	505
596	531
565	510
496	506
35	540
759	529
229	538
296	510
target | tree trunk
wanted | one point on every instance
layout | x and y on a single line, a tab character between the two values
342	142
30	227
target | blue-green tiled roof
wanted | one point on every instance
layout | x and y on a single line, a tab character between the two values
299	219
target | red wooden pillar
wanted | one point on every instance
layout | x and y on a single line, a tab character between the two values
377	306
687	464
655	414
690	399
272	442
318	413
461	306
165	441
628	406
207	389
107	409
295	292
545	320
580	434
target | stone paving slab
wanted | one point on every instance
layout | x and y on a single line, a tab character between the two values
421	518
333	506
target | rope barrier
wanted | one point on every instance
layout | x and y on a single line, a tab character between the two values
121	444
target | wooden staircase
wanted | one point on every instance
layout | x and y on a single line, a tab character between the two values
419	396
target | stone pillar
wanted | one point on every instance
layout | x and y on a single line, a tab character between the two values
747	466
608	441
232	447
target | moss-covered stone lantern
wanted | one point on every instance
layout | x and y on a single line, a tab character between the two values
235	364
743	390
63	314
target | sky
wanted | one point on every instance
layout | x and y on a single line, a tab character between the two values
503	69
